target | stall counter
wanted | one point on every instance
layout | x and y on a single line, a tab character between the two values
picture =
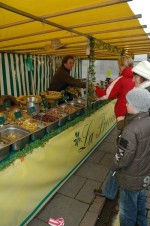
28	183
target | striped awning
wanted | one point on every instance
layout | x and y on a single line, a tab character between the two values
64	27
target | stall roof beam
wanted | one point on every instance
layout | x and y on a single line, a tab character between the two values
138	16
79	9
42	20
120	29
90	24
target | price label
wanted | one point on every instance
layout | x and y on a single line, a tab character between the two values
32	109
45	104
18	114
7	104
2	120
65	98
43	98
56	102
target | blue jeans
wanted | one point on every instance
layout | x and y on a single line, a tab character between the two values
111	187
132	208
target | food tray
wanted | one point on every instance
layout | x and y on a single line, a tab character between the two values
4	148
38	134
61	116
80	101
16	136
79	108
51	126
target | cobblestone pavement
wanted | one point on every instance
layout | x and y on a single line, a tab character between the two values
75	201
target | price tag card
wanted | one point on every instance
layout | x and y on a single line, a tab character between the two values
43	98
46	105
65	98
18	114
2	120
7	104
56	102
32	110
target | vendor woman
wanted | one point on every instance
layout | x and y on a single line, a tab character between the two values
62	79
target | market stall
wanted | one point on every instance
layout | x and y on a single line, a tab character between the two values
36	173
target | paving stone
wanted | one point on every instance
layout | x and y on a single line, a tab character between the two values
86	194
96	156
148	199
97	205
89	219
107	147
147	193
148	222
92	171
107	159
113	132
111	138
61	206
37	222
72	186
148	205
148	214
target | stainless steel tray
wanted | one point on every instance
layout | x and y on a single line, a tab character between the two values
51	127
80	101
79	108
16	136
71	115
38	134
4	148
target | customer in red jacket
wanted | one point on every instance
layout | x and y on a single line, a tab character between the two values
118	89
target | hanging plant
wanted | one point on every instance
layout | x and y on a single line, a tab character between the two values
91	74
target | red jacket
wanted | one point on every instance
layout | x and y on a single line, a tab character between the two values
118	89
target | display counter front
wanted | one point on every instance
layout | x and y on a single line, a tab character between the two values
30	181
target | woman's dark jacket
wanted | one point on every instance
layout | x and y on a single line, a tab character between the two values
62	79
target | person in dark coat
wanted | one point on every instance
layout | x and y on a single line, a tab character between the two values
131	162
62	78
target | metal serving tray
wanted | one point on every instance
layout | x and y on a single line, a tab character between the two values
80	101
79	107
38	134
71	115
51	126
16	136
4	148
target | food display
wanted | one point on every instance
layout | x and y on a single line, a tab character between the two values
11	116
29	124
11	136
52	95
55	113
45	118
67	109
23	99
75	91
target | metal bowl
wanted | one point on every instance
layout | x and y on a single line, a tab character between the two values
16	136
33	99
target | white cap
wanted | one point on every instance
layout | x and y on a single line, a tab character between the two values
142	69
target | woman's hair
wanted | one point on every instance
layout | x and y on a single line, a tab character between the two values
66	58
125	61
